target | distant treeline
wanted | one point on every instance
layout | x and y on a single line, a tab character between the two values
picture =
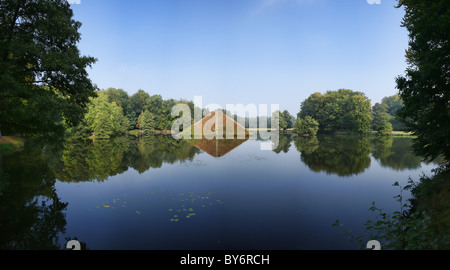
113	112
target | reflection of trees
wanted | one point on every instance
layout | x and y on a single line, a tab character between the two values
343	156
31	214
396	153
96	161
351	155
284	143
307	145
88	161
152	151
156	150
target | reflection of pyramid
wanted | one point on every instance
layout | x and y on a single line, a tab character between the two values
217	148
213	142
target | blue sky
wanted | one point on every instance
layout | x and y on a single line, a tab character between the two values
244	51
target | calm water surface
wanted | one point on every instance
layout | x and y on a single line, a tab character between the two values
159	193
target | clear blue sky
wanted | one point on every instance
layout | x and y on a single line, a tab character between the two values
244	51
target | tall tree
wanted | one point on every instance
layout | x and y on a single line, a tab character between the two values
277	115
139	101
44	84
147	122
425	88
393	104
381	120
105	119
120	97
288	118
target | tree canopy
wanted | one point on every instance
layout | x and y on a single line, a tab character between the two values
424	88
381	120
306	127
337	111
44	85
393	104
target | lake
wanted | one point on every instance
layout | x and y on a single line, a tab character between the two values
158	193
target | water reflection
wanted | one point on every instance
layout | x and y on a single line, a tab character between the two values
217	147
32	215
346	156
89	161
395	153
343	156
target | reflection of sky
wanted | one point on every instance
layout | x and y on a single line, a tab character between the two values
270	201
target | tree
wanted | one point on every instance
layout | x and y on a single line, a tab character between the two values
337	111
105	119
307	126
120	97
288	118
381	120
393	104
276	115
425	88
44	85
147	122
139	101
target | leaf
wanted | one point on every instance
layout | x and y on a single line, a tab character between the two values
139	213
396	184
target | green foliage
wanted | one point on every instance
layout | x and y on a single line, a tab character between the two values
31	213
393	104
306	127
147	123
105	119
289	120
395	152
405	229
277	116
138	102
341	155
381	120
284	143
424	88
43	79
338	111
120	97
